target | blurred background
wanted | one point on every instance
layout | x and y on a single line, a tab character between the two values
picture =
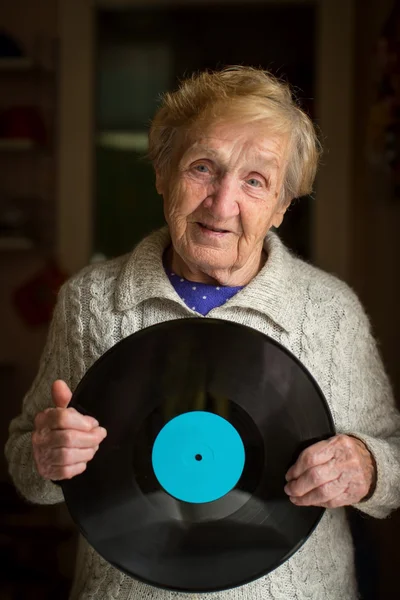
79	83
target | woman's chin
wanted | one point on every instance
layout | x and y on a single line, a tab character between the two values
209	260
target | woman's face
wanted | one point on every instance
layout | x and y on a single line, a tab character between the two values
221	198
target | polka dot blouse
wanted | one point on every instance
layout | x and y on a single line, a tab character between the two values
201	297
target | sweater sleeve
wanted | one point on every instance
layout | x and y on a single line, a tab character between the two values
374	419
18	450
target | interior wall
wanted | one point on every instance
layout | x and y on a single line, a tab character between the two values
375	272
76	134
334	55
373	233
375	215
34	24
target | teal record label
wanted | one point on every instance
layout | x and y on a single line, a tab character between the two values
198	457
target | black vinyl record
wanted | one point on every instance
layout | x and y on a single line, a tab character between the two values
204	418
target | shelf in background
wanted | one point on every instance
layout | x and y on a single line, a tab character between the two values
17	145
16	64
24	66
25	146
123	140
15	243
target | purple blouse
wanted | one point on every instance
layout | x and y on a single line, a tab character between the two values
201	297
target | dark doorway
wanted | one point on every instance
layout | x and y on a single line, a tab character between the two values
144	52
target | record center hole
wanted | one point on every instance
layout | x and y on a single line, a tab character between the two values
198	457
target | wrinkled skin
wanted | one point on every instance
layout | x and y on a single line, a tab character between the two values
64	440
230	179
332	473
220	199
221	196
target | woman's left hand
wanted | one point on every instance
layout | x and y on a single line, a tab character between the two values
336	472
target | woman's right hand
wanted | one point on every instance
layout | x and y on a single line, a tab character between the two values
64	440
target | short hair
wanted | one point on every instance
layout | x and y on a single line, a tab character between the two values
245	93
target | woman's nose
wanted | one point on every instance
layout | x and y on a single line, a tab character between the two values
222	201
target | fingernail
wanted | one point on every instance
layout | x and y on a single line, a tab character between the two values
286	489
103	431
95	423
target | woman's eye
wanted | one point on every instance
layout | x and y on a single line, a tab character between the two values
202	168
254	182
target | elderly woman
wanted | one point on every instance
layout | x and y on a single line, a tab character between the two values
230	149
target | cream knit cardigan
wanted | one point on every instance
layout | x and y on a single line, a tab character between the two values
314	315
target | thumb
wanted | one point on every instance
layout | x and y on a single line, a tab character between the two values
61	394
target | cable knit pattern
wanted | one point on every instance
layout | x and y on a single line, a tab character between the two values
76	324
316	316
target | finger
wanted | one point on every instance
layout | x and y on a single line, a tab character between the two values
314	455
70	438
60	473
313	478
61	394
64	457
322	495
64	418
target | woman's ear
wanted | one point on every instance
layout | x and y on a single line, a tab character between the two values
277	219
279	214
159	183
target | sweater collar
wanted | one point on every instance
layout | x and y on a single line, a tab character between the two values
143	277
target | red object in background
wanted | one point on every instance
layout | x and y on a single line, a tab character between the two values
35	299
23	122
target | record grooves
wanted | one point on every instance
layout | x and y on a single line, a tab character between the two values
204	417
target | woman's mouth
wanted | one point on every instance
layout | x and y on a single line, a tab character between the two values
211	229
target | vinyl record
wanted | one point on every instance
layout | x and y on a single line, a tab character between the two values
204	418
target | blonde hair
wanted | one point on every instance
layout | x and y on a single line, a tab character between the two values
242	93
